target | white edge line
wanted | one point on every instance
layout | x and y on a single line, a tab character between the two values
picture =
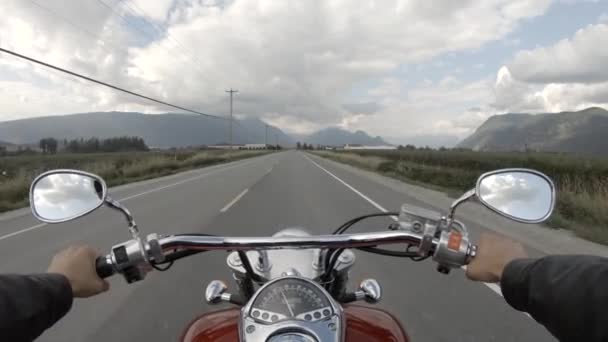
124	199
378	206
22	231
492	286
231	203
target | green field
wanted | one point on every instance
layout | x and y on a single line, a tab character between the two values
17	172
582	182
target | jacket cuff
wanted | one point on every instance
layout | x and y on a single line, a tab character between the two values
62	295
514	283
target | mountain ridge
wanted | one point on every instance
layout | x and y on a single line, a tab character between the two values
335	136
158	130
167	130
574	132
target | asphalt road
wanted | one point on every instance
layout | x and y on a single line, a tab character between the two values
283	190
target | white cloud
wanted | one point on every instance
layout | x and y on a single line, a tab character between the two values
511	95
569	75
157	10
294	62
582	59
434	108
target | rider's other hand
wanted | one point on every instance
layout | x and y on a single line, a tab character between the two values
77	263
493	254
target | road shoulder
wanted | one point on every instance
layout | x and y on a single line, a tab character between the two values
542	238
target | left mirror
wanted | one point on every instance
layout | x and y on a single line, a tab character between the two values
62	195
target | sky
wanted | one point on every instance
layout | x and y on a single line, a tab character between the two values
422	72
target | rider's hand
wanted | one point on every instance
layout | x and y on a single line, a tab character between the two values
493	254
77	263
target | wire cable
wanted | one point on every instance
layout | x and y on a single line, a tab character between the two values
113	10
161	29
71	23
33	60
342	229
248	268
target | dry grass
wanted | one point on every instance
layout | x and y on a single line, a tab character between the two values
115	168
582	182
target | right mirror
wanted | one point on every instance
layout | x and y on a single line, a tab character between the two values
522	195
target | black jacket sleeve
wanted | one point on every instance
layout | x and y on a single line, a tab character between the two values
29	304
566	294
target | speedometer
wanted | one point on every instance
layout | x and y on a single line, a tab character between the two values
291	298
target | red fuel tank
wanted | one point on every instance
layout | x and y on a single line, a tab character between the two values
363	323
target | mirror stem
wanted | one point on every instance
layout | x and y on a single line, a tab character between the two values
116	205
131	222
465	197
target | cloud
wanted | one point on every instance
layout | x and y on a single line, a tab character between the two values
293	61
580	59
441	108
511	95
362	108
568	75
158	10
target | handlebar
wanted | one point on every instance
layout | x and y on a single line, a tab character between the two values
206	242
129	257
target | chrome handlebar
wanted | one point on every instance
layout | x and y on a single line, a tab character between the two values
199	242
450	249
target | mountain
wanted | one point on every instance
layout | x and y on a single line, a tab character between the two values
422	140
158	130
334	136
576	132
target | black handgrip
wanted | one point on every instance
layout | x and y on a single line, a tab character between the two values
103	267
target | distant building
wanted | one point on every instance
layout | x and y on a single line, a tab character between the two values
226	147
238	147
8	147
364	147
255	147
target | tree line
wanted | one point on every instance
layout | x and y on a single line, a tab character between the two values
93	145
305	146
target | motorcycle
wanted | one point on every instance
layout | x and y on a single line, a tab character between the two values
292	286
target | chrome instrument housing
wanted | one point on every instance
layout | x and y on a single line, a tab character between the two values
330	328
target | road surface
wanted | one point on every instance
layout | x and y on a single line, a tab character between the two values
255	196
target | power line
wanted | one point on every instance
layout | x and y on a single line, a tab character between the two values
104	83
65	19
159	28
68	21
145	32
124	19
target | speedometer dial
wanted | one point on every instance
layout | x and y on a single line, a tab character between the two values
291	298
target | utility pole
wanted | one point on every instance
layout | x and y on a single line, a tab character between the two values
231	91
266	137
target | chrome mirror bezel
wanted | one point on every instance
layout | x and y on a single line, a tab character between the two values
64	171
522	170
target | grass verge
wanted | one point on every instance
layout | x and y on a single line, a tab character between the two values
582	182
17	172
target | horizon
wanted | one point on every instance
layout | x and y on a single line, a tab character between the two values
359	68
413	140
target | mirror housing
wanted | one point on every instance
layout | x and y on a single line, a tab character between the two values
62	195
523	195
